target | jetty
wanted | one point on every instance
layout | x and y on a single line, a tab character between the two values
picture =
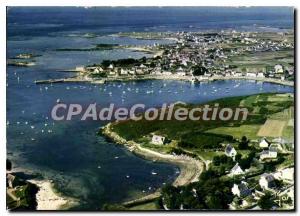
71	79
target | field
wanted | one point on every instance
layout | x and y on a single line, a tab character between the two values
237	132
269	115
271	128
144	207
259	61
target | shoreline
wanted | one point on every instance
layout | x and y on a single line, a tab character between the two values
48	199
162	77
190	168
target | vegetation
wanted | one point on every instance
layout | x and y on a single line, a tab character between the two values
199	70
98	47
266	202
208	193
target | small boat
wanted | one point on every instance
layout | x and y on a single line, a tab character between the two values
58	100
127	176
153	173
99	167
116	157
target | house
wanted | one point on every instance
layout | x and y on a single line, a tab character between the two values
158	140
111	67
285	174
143	66
264	143
276	147
112	73
268	154
79	68
139	71
236	170
278	68
260	75
230	151
167	73
266	181
237	74
181	73
123	72
241	190
249	74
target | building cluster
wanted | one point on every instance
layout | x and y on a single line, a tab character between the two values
279	183
203	55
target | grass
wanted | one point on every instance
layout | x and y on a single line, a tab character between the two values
263	59
249	131
144	207
288	132
202	134
208	155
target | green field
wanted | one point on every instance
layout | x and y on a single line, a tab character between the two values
196	136
144	207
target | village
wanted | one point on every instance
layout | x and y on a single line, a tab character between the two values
252	186
205	56
255	159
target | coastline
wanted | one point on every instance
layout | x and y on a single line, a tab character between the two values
190	168
48	199
80	78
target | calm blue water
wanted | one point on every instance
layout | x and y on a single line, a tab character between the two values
82	164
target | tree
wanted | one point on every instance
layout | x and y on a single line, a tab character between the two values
245	163
106	63
266	202
214	202
199	70
244	143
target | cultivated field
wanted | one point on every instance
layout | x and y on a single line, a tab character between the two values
271	128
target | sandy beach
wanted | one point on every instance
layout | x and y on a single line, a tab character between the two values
47	199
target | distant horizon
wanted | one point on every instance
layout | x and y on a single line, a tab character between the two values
108	20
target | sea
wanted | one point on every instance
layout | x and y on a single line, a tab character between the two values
82	164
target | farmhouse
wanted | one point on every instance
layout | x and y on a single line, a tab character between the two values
266	181
268	154
285	174
236	170
158	140
241	190
278	68
264	143
230	151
